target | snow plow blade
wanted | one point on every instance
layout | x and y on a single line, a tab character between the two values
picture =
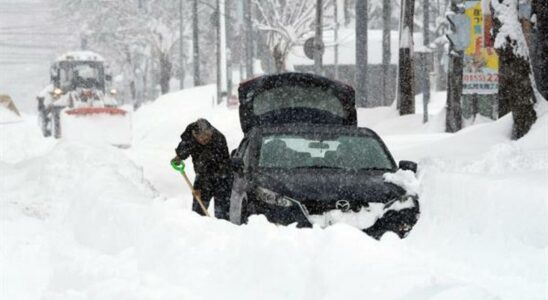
98	124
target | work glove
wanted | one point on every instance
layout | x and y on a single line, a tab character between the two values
176	160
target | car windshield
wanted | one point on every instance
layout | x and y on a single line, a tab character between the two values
337	152
295	96
81	74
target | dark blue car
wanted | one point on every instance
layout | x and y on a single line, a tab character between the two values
303	159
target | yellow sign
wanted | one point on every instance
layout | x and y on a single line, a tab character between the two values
481	63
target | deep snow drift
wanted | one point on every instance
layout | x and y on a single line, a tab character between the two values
90	221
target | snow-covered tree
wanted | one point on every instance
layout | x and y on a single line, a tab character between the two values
138	36
406	95
287	23
516	87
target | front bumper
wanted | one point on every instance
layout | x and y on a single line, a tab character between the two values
373	218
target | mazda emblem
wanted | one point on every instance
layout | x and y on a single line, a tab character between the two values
343	205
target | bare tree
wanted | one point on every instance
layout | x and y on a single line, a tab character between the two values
286	23
138	35
516	92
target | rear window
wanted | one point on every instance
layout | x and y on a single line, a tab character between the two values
286	97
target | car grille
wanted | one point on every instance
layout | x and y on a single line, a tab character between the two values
319	207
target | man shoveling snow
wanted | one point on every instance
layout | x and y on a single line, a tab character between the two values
209	151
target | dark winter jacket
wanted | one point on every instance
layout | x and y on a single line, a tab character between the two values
209	160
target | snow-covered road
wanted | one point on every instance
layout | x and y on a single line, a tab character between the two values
89	221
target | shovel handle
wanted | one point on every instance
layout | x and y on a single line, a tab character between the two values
180	167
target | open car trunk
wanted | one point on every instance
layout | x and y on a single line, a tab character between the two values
295	98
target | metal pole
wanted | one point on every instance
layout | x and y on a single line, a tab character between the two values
248	39
336	17
425	61
387	89
318	39
361	55
195	44
181	60
228	46
223	49
218	48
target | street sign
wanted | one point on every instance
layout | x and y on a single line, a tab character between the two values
310	47
481	63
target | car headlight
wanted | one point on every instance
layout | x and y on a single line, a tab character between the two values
403	202
113	92
273	198
57	92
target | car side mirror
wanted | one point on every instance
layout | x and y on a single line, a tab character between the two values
408	165
237	164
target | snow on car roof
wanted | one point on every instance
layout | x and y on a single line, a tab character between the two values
81	55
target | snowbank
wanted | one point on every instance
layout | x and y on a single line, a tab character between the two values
90	221
7	116
73	233
22	140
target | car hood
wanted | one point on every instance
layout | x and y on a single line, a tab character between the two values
330	185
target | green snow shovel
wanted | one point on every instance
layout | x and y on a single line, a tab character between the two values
181	169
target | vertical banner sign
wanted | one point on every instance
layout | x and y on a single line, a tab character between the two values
481	63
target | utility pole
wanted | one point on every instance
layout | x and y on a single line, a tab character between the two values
318	39
229	42
195	44
425	80
336	37
221	51
386	51
248	24
181	50
406	95
361	54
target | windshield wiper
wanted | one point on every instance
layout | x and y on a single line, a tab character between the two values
375	169
318	167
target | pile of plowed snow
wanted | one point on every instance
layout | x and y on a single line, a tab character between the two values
8	116
22	140
81	222
90	221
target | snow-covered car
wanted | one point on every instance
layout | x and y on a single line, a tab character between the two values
304	160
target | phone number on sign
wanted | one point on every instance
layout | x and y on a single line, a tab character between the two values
477	77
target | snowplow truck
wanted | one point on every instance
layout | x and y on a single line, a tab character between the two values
80	102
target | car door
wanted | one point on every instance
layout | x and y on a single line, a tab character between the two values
239	185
